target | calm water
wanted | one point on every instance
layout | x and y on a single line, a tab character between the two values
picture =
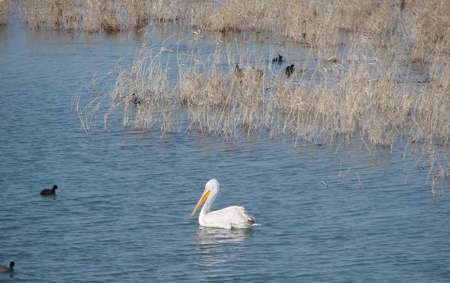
122	211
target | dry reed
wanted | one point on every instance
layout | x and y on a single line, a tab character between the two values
104	15
142	94
430	29
4	11
241	97
365	91
89	15
423	24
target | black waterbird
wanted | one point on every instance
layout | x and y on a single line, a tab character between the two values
49	192
289	70
5	269
279	59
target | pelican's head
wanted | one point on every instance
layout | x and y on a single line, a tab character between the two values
211	190
212	185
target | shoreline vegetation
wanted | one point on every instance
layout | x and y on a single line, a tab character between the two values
423	24
226	95
4	12
378	70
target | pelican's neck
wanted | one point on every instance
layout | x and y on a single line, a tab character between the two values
208	203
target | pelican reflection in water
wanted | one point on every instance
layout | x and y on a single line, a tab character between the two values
213	236
217	247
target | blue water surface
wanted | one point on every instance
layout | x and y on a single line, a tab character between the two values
122	211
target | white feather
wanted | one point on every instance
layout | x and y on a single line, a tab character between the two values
226	218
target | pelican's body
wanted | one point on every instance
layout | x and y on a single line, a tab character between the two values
226	218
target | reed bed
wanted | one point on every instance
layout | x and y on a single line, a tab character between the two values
104	15
145	95
430	29
423	25
365	91
233	94
228	96
305	20
4	12
85	15
142	94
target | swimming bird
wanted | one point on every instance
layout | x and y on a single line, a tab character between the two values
226	218
289	70
135	100
238	71
4	269
49	192
279	59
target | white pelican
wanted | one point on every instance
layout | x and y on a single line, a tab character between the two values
226	218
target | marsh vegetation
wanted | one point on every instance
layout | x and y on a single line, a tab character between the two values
4	12
421	26
375	70
335	137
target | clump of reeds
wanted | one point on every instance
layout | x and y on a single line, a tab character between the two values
4	11
90	15
144	95
141	94
431	113
430	29
225	102
108	15
422	24
230	97
318	23
174	10
313	22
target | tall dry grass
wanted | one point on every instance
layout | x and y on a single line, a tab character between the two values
312	22
364	89
225	102
4	11
423	24
86	15
430	29
367	94
142	94
104	15
231	96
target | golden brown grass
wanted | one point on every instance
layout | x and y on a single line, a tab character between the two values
423	24
364	94
312	22
4	11
431	29
89	15
365	91
142	94
225	104
104	15
368	100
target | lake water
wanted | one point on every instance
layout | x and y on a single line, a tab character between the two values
122	211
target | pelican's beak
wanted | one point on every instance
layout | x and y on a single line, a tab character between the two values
200	202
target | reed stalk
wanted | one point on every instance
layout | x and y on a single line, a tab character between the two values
4	11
